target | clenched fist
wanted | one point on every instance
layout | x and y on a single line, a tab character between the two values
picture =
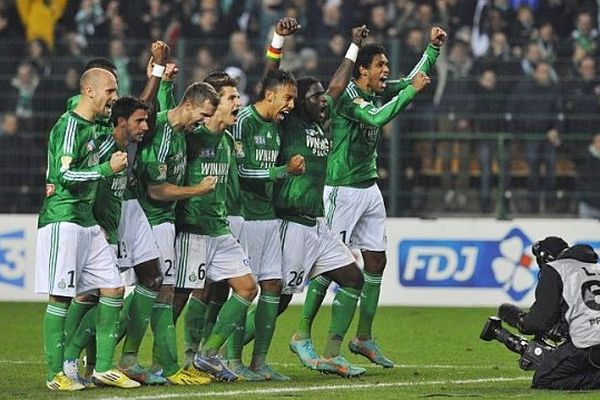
118	161
295	165
287	26
160	52
438	36
420	81
206	185
171	70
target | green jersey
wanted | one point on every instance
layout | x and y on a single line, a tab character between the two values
300	198
73	171
161	160
257	149
356	126
165	98
107	205
208	154
233	203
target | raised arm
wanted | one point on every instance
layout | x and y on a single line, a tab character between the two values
437	39
285	27
361	110
155	71
342	75
166	98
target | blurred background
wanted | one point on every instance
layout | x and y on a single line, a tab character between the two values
508	128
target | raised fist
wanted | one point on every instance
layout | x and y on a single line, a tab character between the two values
438	36
160	52
171	70
358	34
206	185
287	26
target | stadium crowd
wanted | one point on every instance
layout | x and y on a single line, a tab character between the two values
518	66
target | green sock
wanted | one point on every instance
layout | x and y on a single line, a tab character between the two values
210	318
235	342
342	311
107	331
194	326
266	317
83	335
250	330
75	313
229	318
368	304
317	289
124	316
139	317
54	335
165	339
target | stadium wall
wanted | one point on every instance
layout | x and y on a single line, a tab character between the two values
441	262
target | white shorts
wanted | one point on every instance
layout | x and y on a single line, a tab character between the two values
261	241
72	260
309	251
214	257
136	239
357	215
236	225
165	239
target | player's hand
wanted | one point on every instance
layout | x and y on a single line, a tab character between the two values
438	36
358	34
295	165
171	70
206	185
420	81
287	26
118	161
160	52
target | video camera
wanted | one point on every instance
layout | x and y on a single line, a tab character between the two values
531	351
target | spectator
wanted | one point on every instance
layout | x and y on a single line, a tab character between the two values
240	54
532	58
536	111
403	13
331	22
9	125
119	58
330	56
522	29
487	104
89	17
24	84
588	184
310	63
37	55
584	37
39	18
378	24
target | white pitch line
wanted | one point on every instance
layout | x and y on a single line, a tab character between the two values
298	365
302	389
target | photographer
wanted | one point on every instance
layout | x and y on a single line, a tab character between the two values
567	295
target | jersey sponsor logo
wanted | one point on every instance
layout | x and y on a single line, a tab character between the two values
260	140
12	258
65	163
220	170
506	264
360	102
178	161
319	145
266	157
118	185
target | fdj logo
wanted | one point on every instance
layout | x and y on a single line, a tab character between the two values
506	264
12	258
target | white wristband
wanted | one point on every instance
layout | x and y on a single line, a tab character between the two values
277	41
352	52
158	70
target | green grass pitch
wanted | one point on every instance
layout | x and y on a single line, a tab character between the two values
437	351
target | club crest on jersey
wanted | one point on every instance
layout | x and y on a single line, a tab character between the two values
162	171
238	148
359	101
260	140
65	163
90	146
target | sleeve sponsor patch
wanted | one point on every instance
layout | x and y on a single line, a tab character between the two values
359	101
238	148
65	163
162	171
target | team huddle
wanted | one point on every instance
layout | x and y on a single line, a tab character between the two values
201	204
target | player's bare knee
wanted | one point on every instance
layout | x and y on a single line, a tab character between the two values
348	276
166	294
200	295
271	285
245	287
284	302
87	298
113	292
149	275
219	292
375	261
59	299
